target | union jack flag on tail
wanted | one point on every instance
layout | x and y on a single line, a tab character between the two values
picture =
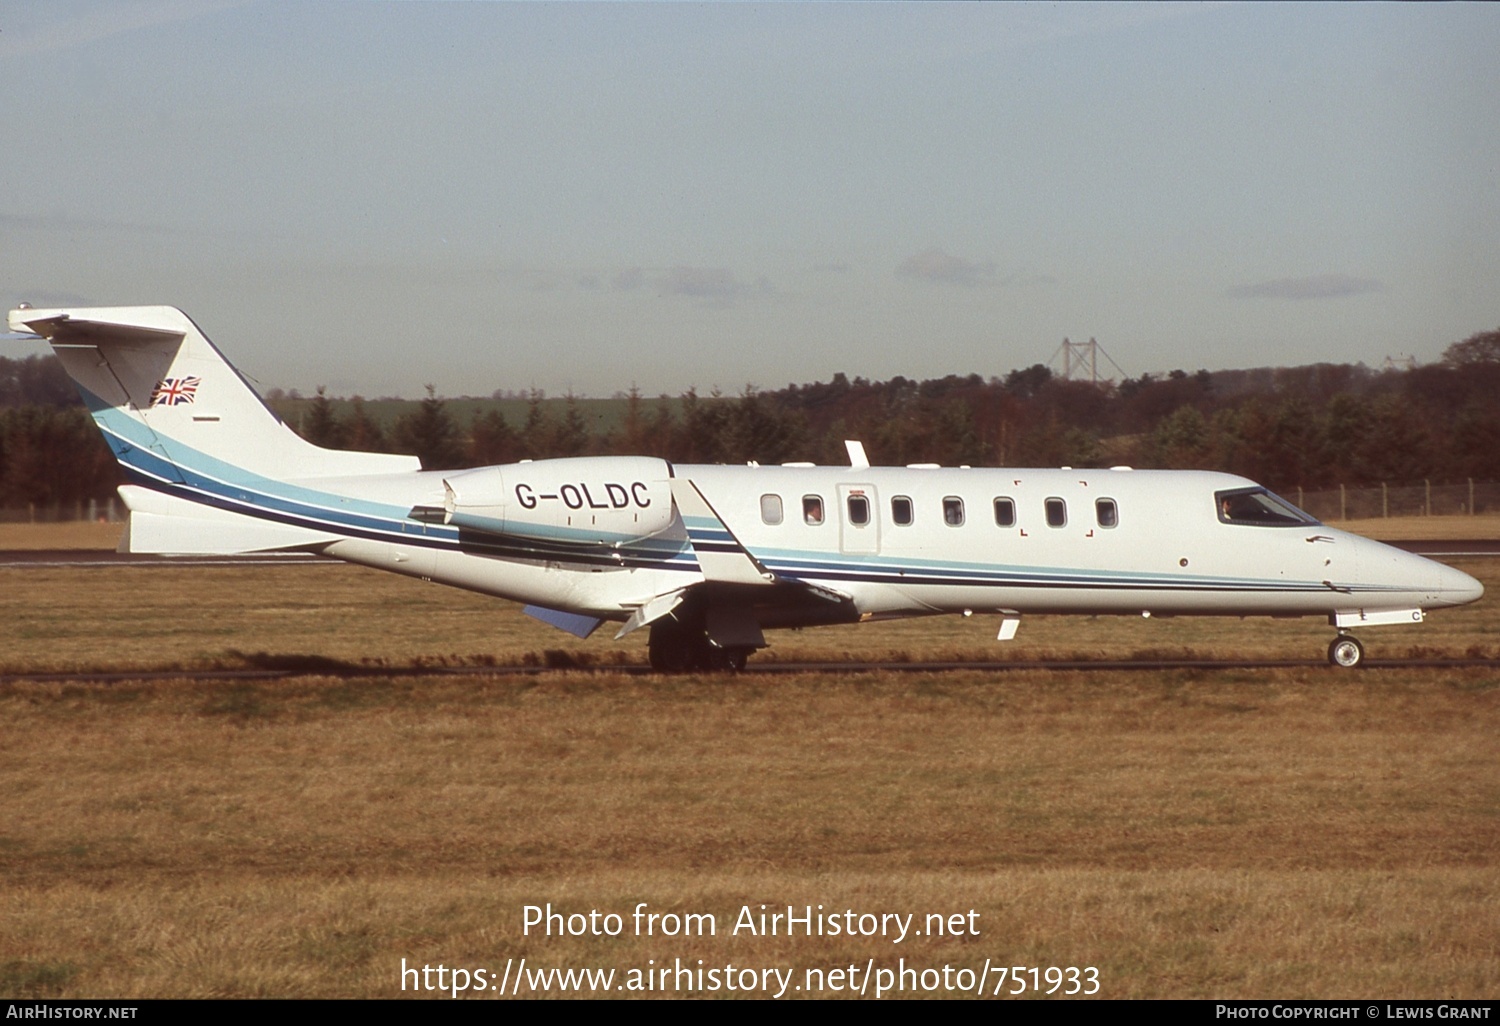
175	391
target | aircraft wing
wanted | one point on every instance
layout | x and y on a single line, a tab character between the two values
739	588
721	555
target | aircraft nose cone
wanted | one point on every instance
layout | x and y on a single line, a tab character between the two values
1457	588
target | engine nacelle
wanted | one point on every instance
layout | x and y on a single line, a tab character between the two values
588	500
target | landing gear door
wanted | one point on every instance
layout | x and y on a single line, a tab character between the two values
859	519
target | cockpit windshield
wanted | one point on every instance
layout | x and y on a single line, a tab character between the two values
1259	508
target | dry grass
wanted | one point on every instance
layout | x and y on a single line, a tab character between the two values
1219	834
1484	526
1234	834
311	616
79	534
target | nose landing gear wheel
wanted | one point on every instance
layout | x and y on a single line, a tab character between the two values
1346	651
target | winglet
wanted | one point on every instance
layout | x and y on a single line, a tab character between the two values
720	554
857	458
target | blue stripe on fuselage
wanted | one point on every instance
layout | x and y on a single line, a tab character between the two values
213	482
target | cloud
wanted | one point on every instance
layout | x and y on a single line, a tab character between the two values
713	285
701	283
1317	286
934	265
629	279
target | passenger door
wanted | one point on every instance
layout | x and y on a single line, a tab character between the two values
859	520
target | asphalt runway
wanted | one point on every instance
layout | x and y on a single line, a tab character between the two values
98	557
101	557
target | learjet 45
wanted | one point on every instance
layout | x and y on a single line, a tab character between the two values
708	558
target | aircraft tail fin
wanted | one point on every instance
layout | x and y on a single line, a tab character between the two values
170	405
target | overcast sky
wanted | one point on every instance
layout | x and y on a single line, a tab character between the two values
585	196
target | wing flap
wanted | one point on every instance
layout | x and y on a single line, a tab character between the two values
651	610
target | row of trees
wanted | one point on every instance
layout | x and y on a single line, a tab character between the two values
1308	427
53	456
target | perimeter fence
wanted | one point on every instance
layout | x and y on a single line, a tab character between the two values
1407	500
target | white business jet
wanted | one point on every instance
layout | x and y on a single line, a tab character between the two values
709	557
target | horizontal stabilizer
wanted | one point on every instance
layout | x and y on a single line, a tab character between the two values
172	408
64	329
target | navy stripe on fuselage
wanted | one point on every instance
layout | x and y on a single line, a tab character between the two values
153	471
149	469
887	571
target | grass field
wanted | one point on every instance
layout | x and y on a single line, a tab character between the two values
1231	834
312	617
1236	833
76	534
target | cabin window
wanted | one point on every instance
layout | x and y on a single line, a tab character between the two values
953	511
1106	513
1057	513
812	509
770	509
859	510
901	510
1005	512
1259	508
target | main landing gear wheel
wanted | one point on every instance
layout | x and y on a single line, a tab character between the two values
671	647
1346	651
677	648
729	660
